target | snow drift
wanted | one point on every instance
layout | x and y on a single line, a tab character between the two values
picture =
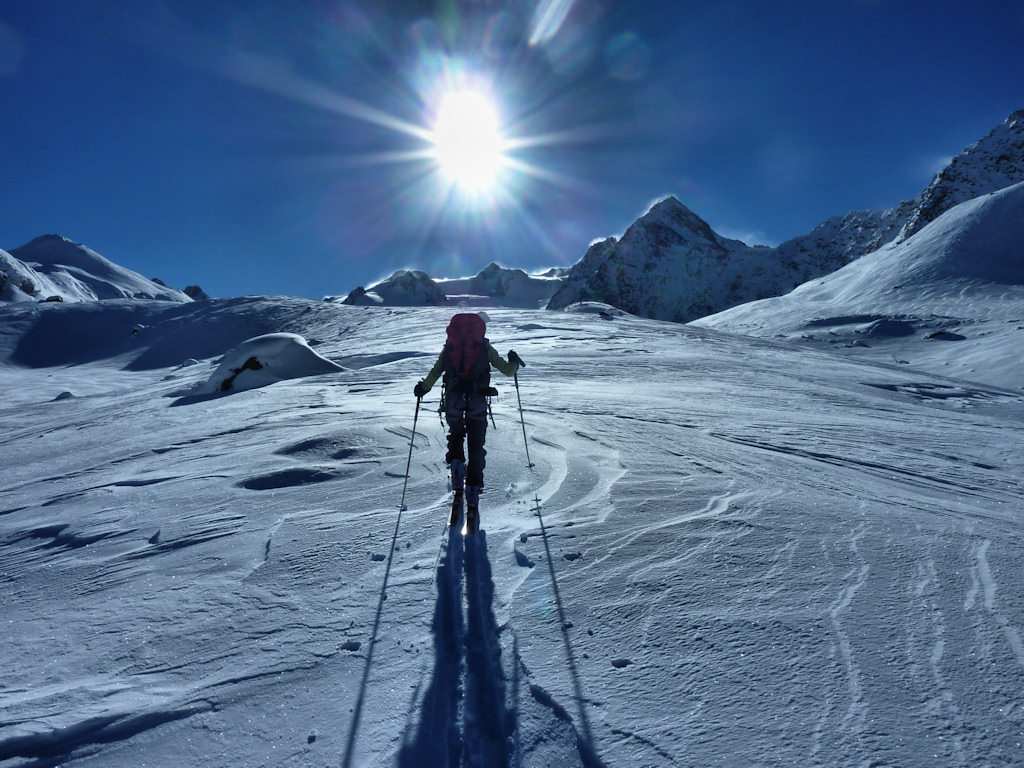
266	360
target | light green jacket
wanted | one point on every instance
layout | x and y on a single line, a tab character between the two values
507	367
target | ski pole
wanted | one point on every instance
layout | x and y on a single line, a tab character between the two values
408	464
529	464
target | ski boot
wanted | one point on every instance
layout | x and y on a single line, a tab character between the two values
458	468
472	508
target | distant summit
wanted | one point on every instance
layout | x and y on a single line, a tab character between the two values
494	286
52	267
497	286
405	288
670	265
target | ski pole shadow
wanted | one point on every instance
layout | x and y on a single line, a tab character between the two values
490	724
586	740
361	696
438	739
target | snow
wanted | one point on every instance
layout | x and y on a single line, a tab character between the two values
55	266
730	551
497	286
671	265
492	286
266	360
949	299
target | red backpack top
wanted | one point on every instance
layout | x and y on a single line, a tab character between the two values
466	342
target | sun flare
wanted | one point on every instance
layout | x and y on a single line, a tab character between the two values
467	140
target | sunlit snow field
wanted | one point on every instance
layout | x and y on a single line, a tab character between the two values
729	552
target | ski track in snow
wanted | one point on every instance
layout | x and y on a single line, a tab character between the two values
729	556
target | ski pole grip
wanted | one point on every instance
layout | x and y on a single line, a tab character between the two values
516	358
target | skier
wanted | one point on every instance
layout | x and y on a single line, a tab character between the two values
465	363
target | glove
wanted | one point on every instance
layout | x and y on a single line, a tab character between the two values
419	390
514	358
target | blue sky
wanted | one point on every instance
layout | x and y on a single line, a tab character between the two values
258	147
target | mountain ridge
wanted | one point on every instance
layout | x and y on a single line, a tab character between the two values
55	268
989	164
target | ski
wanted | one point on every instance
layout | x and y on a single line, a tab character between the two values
456	507
472	520
472	508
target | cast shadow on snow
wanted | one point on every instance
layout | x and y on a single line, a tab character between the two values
463	716
466	715
585	740
195	399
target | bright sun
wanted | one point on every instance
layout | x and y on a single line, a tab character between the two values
467	141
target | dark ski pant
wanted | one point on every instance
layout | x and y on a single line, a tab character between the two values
465	426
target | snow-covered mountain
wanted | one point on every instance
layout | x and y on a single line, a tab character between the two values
497	286
729	551
404	288
494	286
948	299
994	162
671	265
52	267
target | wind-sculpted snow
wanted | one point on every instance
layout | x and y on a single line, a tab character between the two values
729	551
265	360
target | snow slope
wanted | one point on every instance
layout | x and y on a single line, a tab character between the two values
55	266
730	552
950	299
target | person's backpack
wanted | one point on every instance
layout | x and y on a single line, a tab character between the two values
467	369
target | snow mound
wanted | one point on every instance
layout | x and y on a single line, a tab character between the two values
266	360
53	266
